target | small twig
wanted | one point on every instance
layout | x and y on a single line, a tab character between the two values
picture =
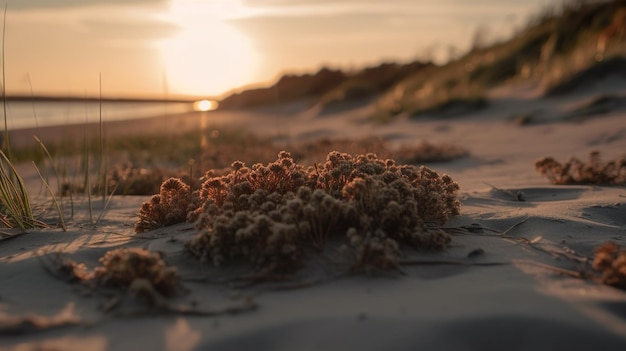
248	306
504	233
563	271
7	236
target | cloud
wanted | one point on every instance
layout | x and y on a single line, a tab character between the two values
19	5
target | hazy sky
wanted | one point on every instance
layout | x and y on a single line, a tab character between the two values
207	47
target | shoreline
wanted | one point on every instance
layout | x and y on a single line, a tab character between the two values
157	125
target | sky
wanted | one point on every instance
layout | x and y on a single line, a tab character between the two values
207	48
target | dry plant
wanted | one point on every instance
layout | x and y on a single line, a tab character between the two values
273	215
168	207
142	275
121	268
574	171
424	152
610	260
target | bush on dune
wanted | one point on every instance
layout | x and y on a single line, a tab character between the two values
168	207
610	260
575	171
274	215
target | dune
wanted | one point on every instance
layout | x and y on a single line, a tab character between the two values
508	280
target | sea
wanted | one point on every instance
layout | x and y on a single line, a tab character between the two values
36	113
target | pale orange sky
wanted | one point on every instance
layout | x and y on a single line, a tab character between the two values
208	47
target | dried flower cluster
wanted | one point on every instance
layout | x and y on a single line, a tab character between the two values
168	207
610	259
574	171
121	267
271	215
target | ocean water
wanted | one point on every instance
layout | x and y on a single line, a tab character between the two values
38	113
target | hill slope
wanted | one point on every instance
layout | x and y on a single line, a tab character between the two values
560	51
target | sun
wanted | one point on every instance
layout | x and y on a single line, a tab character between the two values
208	56
204	105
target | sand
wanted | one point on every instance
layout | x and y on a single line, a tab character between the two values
512	294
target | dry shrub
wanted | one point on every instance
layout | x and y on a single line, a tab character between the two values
122	267
372	251
70	270
168	207
139	176
610	259
422	153
574	171
315	151
272	215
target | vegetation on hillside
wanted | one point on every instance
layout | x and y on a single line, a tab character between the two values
326	84
562	49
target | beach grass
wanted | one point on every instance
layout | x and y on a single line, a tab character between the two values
15	204
15	200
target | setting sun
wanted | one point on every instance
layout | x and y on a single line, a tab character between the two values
204	105
208	55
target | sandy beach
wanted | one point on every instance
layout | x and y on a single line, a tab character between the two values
504	281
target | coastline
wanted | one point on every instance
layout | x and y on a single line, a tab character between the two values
159	125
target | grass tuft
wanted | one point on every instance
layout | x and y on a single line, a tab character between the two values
15	206
57	204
